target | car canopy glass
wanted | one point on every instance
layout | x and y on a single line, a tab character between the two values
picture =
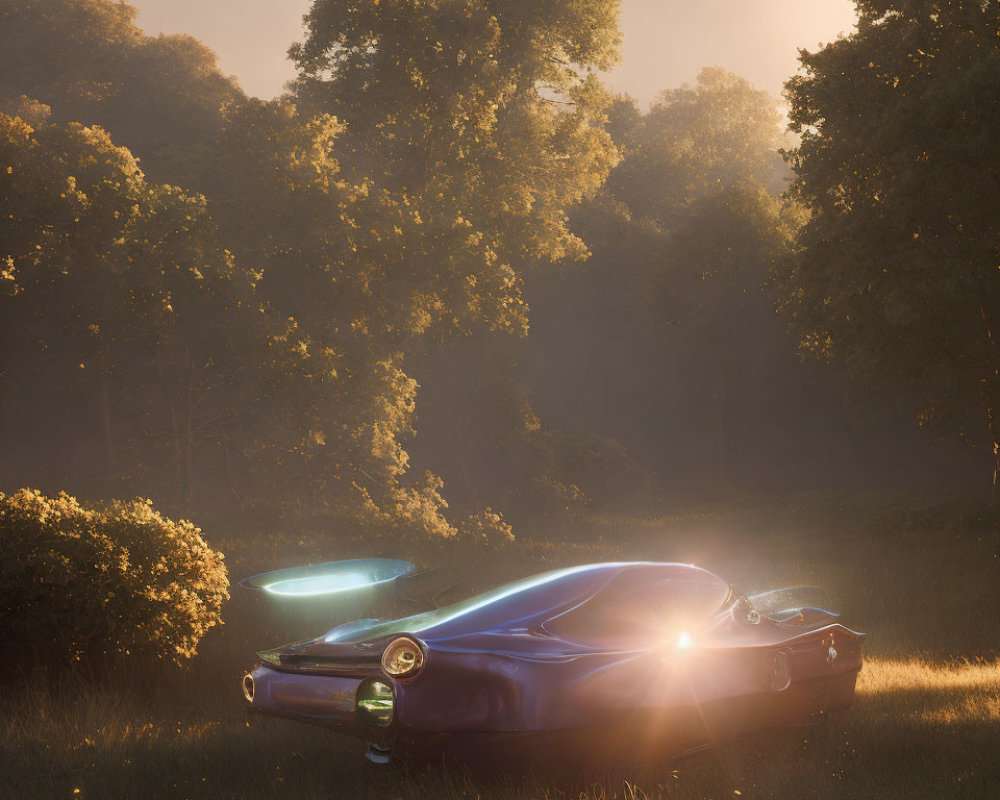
527	598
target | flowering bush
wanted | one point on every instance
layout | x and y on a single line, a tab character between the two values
93	586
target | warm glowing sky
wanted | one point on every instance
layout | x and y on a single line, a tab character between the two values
666	41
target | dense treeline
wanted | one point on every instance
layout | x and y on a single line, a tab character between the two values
660	363
895	273
317	252
212	299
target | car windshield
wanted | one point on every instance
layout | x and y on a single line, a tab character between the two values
524	592
632	611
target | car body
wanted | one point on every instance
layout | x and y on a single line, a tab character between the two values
614	661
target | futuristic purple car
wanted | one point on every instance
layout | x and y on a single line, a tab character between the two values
616	661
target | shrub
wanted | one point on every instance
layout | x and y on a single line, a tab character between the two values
414	512
95	586
486	527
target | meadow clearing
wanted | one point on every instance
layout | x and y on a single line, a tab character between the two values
923	580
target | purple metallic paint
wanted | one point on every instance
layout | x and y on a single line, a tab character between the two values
584	662
326	700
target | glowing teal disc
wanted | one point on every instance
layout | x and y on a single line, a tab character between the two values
332	577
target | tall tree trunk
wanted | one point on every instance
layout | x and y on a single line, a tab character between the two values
109	439
175	438
993	417
721	412
188	435
996	472
992	381
720	431
465	435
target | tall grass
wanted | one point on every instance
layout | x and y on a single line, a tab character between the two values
925	586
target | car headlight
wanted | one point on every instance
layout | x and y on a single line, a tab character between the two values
374	703
403	658
248	687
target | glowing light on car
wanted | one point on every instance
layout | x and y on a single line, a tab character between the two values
322	584
333	577
684	641
374	703
403	658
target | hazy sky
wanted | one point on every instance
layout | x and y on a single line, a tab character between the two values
666	41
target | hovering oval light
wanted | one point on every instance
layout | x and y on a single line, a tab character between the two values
684	641
403	658
321	584
330	578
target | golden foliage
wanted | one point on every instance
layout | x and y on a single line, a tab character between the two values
95	584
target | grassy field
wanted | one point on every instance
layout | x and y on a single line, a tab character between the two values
924	582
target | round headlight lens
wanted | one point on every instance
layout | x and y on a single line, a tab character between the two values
403	658
374	703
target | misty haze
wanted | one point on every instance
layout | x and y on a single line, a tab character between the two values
491	288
